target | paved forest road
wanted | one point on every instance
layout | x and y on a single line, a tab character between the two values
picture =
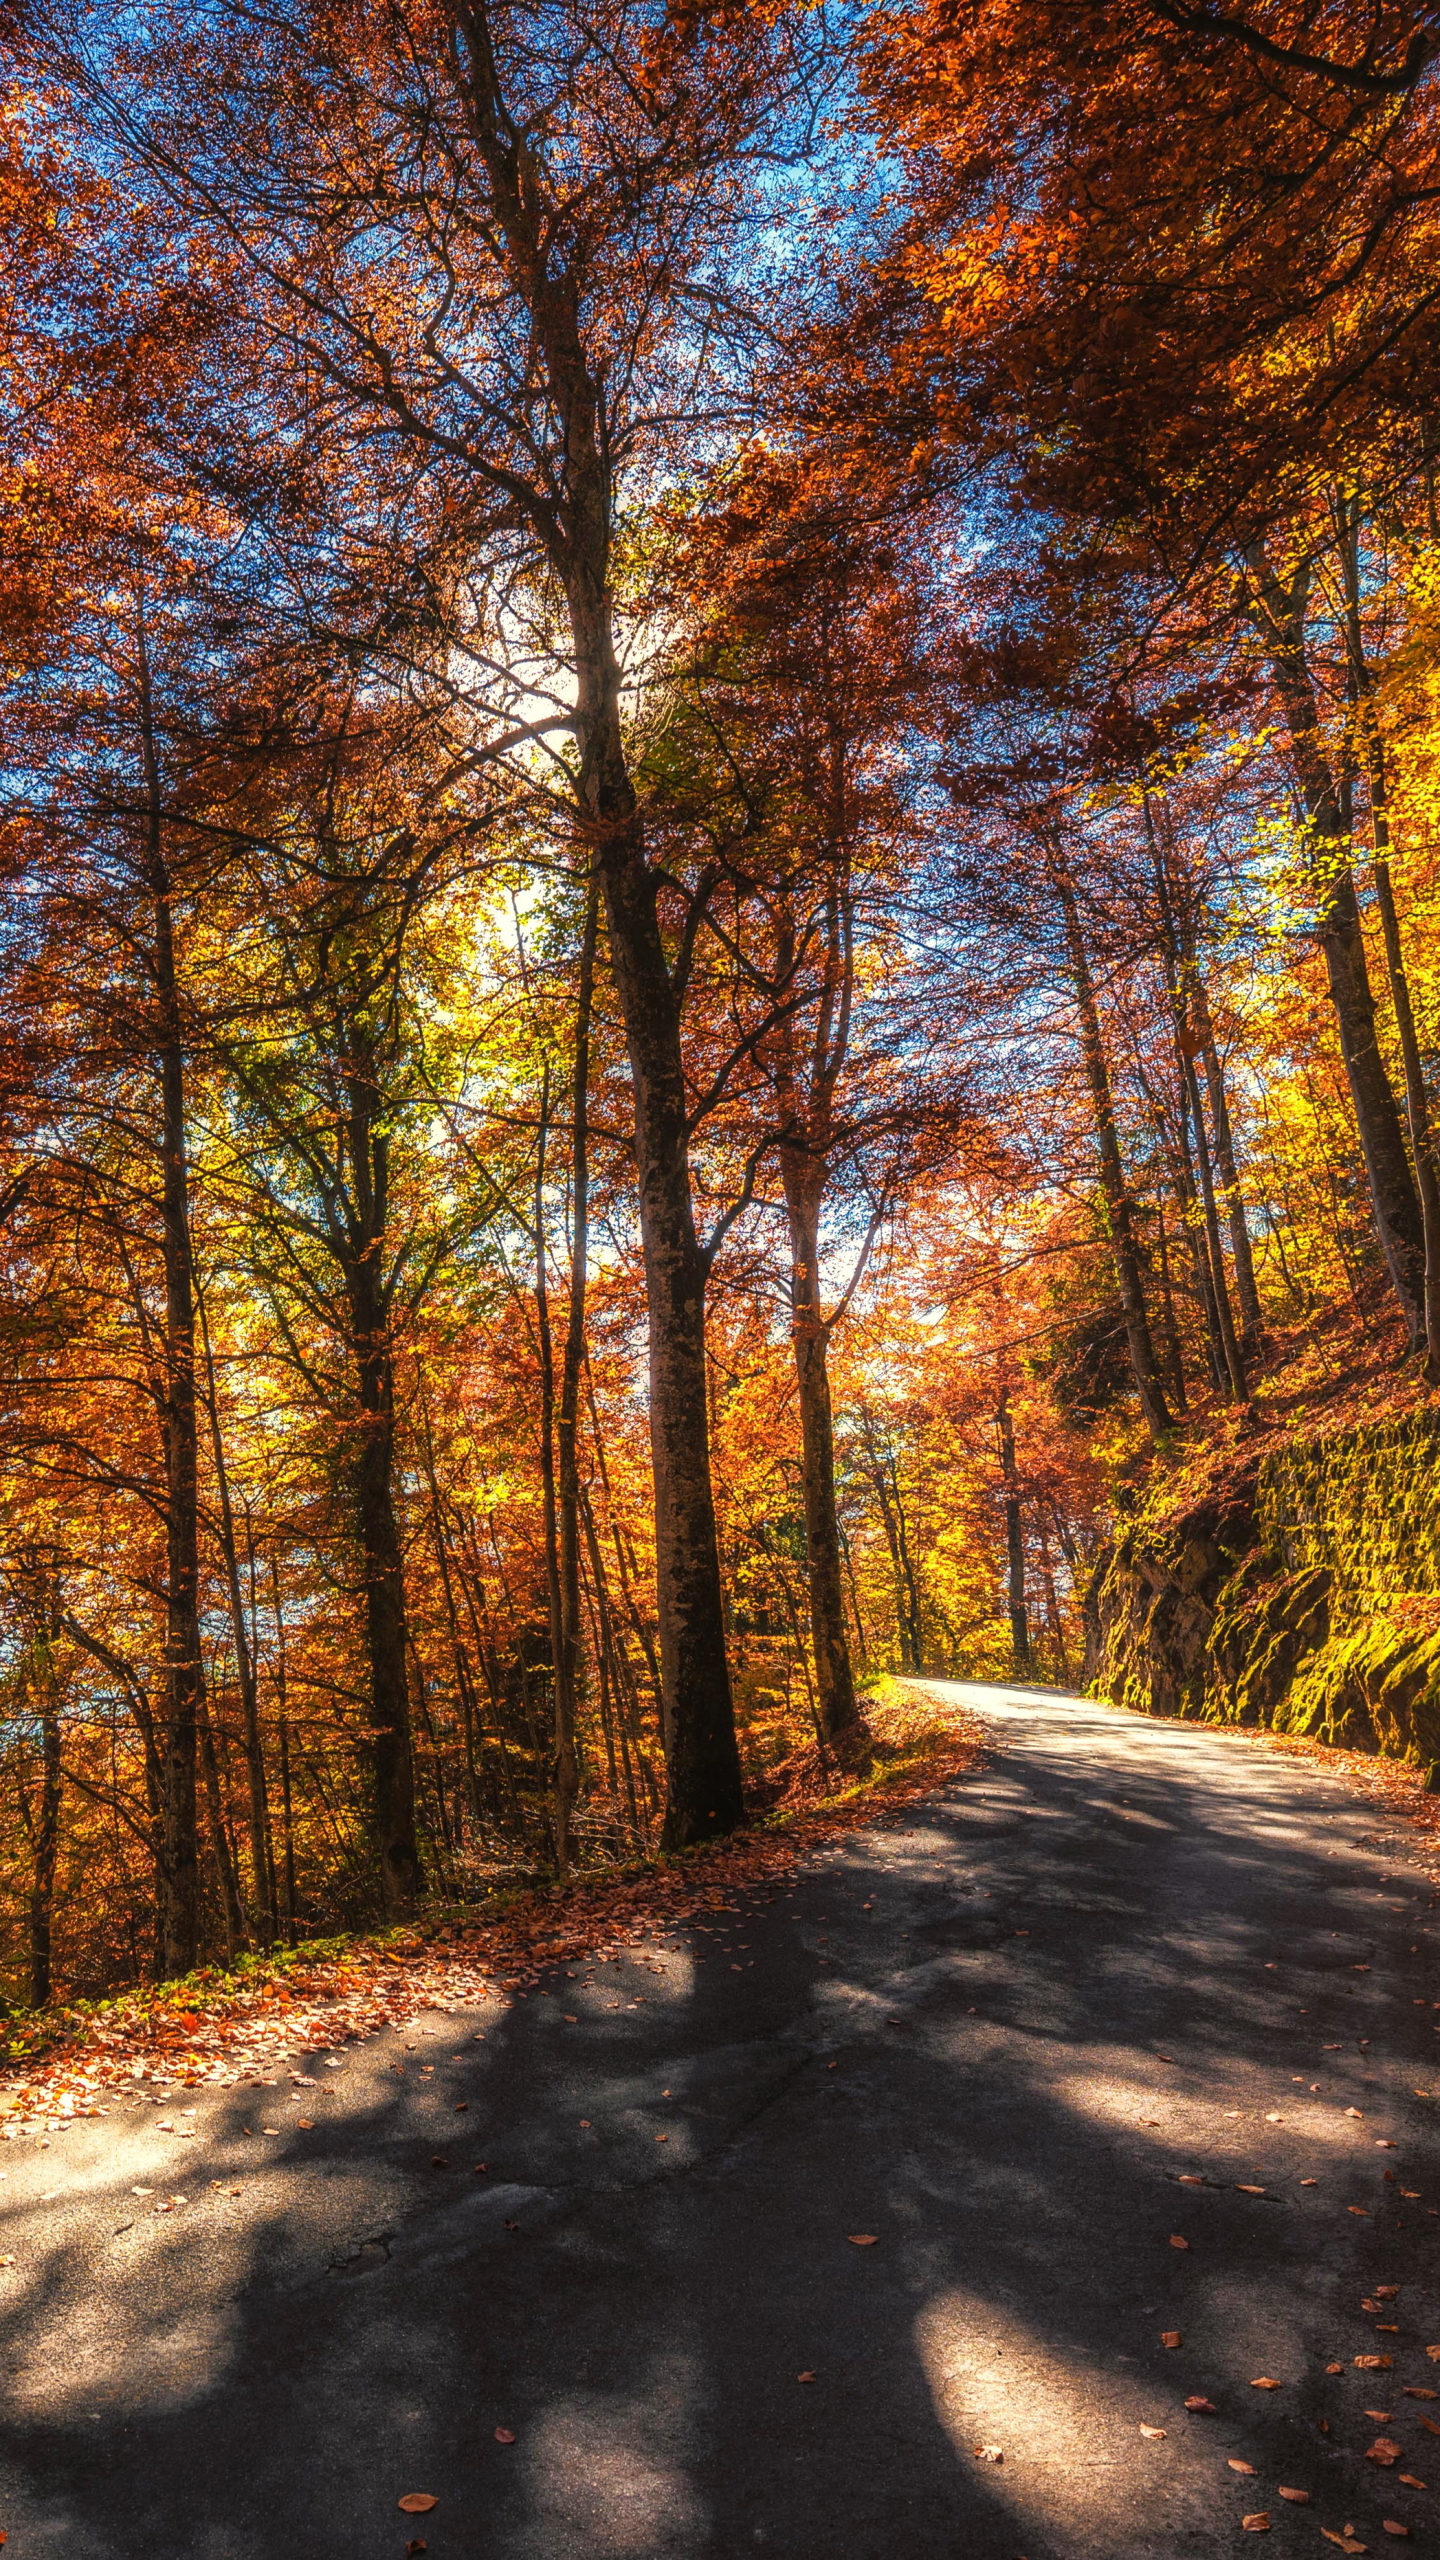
266	2373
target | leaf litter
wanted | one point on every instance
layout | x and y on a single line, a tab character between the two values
218	2028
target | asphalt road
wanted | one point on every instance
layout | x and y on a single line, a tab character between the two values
1021	2035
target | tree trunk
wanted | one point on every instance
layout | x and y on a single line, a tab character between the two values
1281	614
1144	1366
702	1759
46	1842
1252	1321
1229	1340
286	1806
382	1563
1417	1101
1014	1542
231	1912
180	1854
261	1875
837	1707
567	1421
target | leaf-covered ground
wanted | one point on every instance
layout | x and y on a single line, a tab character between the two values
219	2028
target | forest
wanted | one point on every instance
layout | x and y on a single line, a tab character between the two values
718	892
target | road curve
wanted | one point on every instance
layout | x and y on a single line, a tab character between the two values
1129	1984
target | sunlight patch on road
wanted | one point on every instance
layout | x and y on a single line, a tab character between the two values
1108	2094
1066	2435
613	2472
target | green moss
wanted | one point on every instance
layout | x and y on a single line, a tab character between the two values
1313	1608
1365	1504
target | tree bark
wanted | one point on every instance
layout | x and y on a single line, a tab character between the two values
1229	1339
383	1568
836	1704
46	1832
261	1873
1417	1101
179	1750
702	1757
1120	1216
1014	1541
572	1362
1252	1321
1280	612
360	1243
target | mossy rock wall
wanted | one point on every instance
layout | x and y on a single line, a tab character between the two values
1364	1505
1308	1601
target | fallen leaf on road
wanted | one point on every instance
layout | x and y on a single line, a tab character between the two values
989	2453
1392	2524
416	2503
438	2163
1204	2408
504	2435
804	2377
1382	2417
1171	2338
1416	2391
1274	2119
1297	2497
861	2239
1434	2354
1357	2113
1408	2480
1384	2450
1430	2427
306	2123
1345	2540
1176	2241
1247	2467
1374	2364
1362	2210
1255	2524
461	2105
1264	2382
1309	2182
1153	2435
1248	2191
1187	2179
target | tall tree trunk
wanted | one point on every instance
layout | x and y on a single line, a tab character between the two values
837	1707
1417	1101
572	1362
180	1852
1280	613
1180	1166
1014	1541
702	1758
383	1566
45	1826
261	1874
231	1911
282	1695
1144	1366
1252	1321
1229	1339
563	1773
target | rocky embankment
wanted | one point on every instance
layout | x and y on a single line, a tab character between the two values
1304	1596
